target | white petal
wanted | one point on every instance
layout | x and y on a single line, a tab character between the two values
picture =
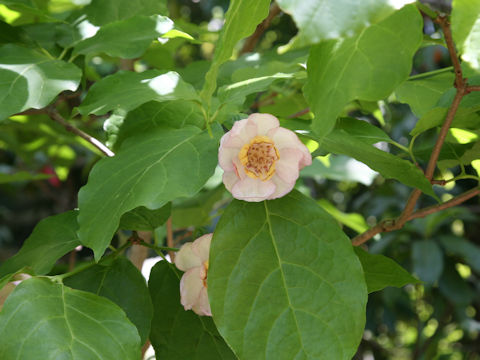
250	189
191	286
202	305
264	122
281	187
201	246
288	164
186	258
230	178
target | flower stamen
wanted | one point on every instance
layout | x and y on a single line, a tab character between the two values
259	157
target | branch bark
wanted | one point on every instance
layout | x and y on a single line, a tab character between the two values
252	41
55	116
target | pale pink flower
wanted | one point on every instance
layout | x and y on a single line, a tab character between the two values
260	159
193	259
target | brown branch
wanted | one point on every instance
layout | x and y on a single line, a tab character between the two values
252	41
395	224
55	116
407	213
472	88
170	243
300	113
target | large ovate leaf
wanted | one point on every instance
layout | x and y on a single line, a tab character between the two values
389	165
466	30
126	90
427	260
52	238
423	93
178	334
381	271
241	19
29	79
121	282
127	38
144	219
101	12
384	54
45	320
149	170
284	282
363	130
332	19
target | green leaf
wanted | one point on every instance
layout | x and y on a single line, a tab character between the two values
52	238
465	21
126	90
145	118
423	93
352	220
145	219
122	283
332	19
48	320
126	38
237	92
241	20
390	166
464	248
178	334
196	211
383	53
454	288
427	260
149	170
362	130
22	176
32	80
284	282
381	271
30	7
101	12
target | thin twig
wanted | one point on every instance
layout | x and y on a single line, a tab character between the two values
54	115
472	88
252	41
408	212
170	243
298	114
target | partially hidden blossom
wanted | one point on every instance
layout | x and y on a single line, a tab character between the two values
260	159
193	259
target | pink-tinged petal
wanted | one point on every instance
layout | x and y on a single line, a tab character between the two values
284	138
230	179
226	156
254	190
201	247
242	132
264	122
191	285
281	187
230	140
186	258
287	167
202	306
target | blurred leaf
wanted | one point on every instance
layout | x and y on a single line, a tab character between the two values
32	80
353	220
121	282
196	211
171	323
423	93
340	168
463	248
390	166
381	271
241	20
383	53
52	238
320	20
465	21
29	7
22	176
81	325
362	130
126	38
427	260
127	90
101	12
142	218
149	170
454	288
272	259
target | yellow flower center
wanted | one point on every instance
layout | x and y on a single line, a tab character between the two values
205	265
259	157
